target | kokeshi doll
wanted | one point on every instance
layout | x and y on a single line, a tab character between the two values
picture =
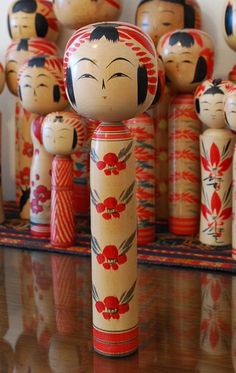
215	336
41	91
18	53
229	30
230	118
32	18
81	189
115	67
216	148
142	130
77	13
2	84
62	134
188	59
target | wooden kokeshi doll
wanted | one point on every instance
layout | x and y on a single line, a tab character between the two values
32	18
115	66
188	58
230	119
62	134
230	30
77	13
2	84
18	53
41	91
216	149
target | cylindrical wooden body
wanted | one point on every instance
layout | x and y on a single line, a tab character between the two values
142	130
184	166
40	184
215	337
2	216
216	147
114	249
234	206
62	214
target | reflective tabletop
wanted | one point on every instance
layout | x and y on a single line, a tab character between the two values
187	318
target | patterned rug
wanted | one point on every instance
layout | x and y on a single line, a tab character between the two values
168	249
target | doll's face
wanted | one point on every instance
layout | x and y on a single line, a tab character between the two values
57	136
107	80
22	25
11	76
211	110
230	110
230	24
39	91
2	78
77	13
157	17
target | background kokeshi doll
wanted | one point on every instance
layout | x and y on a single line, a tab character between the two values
230	118
230	30
62	133
32	18
77	13
157	17
115	66
41	91
216	148
18	53
2	84
188	58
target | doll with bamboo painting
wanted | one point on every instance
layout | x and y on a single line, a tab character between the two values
114	65
17	54
77	13
62	134
32	18
216	149
188	59
41	91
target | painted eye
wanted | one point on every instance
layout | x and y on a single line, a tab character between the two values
232	112
205	109
219	110
25	26
119	75
27	86
166	23
145	24
11	71
87	76
169	61
186	61
42	85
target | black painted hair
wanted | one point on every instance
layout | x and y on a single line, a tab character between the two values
189	11
201	70
215	89
184	38
229	20
23	45
109	31
26	6
37	61
75	140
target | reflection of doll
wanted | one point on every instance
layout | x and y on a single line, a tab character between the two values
77	13
157	17
62	134
41	91
216	147
2	84
188	58
114	65
32	18
230	118
18	53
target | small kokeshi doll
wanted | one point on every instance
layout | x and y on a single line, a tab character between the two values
32	18
157	17
41	91
62	133
2	84
77	13
230	30
230	119
115	66
216	149
18	53
188	58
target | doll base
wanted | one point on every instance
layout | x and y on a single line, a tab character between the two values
117	344
146	235
63	245
184	226
40	230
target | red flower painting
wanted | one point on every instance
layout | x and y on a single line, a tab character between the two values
25	176
111	257
216	164
111	307
28	149
41	193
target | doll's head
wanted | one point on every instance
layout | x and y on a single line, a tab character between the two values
188	57
209	102
20	51
230	107
63	133
157	17
32	18
77	13
230	23
40	85
2	78
110	71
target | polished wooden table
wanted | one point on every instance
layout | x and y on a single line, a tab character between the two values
187	318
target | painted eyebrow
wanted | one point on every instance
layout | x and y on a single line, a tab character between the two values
86	59
42	75
119	59
186	53
64	129
28	76
167	11
205	102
